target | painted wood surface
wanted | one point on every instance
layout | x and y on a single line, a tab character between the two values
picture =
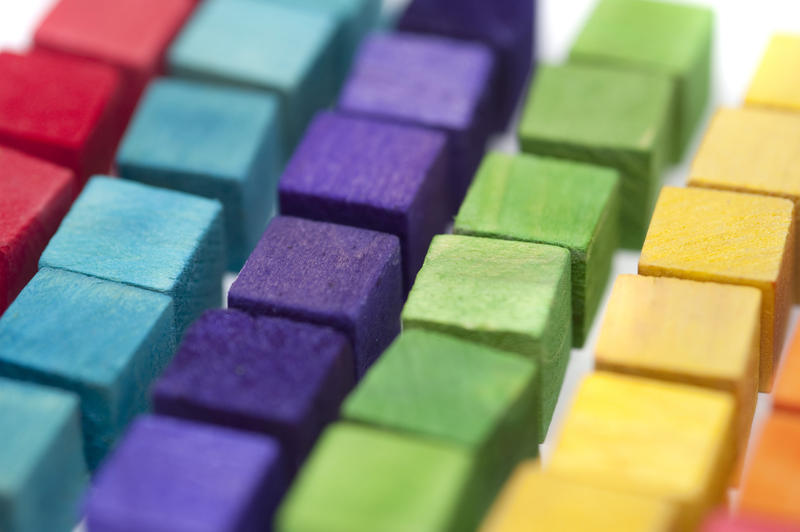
776	83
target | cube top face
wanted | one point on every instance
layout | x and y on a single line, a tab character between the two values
199	129
537	199
411	388
787	387
149	234
777	80
432	81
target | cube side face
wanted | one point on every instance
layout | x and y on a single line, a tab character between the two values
776	84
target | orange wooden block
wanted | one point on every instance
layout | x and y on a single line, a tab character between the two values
787	387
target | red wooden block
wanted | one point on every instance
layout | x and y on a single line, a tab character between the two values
59	109
722	521
34	197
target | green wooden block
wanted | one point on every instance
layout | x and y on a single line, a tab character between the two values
359	479
672	39
608	117
550	201
512	296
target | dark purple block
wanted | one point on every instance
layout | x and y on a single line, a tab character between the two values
176	475
371	174
430	81
343	277
270	375
506	26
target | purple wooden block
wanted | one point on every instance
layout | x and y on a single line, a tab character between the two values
371	174
343	277
506	26
270	375
176	475
431	81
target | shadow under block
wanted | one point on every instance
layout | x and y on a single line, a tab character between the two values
662	38
42	471
669	441
786	396
552	503
511	296
104	341
59	109
165	241
34	197
371	174
212	141
391	482
606	117
270	375
732	238
567	204
171	474
776	83
342	277
723	521
264	45
432	82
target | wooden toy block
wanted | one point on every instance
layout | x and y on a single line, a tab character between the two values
512	296
722	521
216	142
567	204
270	375
34	197
506	27
392	480
104	341
732	238
290	52
552	503
60	109
42	472
171	474
607	117
433	82
664	440
371	174
670	39
161	240
777	82
333	275
787	385
492	412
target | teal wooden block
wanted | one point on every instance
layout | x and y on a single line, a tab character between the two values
512	296
217	142
42	472
104	341
551	201
152	238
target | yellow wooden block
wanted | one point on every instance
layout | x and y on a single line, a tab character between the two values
777	80
728	237
658	439
534	500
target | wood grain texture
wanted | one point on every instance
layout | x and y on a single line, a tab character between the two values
787	385
728	237
777	81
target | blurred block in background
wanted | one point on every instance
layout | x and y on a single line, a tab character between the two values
777	80
787	386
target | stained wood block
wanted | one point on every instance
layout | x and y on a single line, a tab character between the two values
553	503
722	521
118	339
787	385
664	440
374	175
567	204
216	142
512	296
416	79
172	474
671	39
34	197
732	238
333	275
608	117
776	82
165	241
60	109
43	472
391	479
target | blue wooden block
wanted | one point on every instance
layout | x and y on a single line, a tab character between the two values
105	341
291	52
162	240
212	141
42	472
